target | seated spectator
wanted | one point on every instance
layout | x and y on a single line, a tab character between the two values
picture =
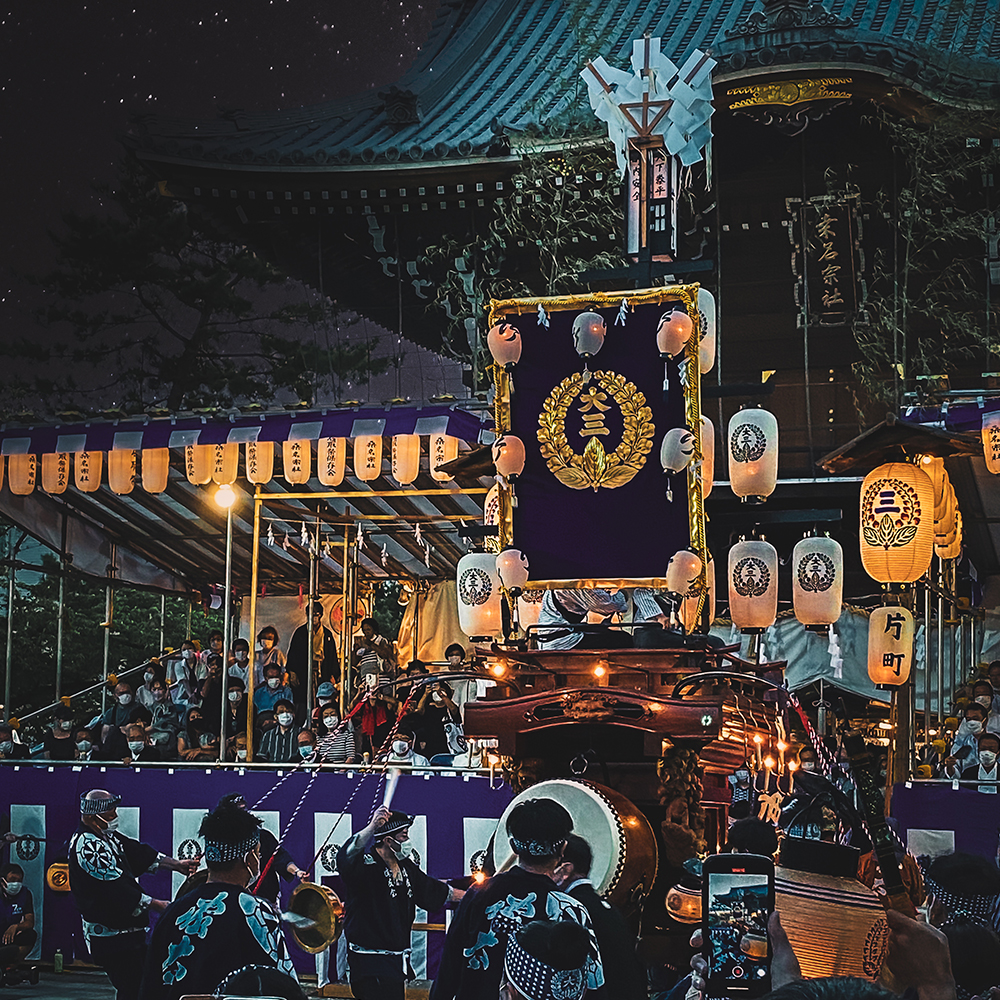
10	749
372	651
455	655
236	708
143	694
119	712
214	649
240	661
983	694
335	744
401	751
86	748
414	671
306	743
196	740
240	748
139	750
273	691
986	769
182	675
969	729
166	721
752	836
377	715
434	708
267	640
58	741
993	672
17	922
326	694
211	688
279	745
262	723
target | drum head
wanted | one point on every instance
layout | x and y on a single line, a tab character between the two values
604	818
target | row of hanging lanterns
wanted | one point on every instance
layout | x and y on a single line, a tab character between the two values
219	463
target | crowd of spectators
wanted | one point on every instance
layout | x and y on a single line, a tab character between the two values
191	705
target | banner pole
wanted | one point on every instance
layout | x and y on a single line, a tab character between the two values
251	668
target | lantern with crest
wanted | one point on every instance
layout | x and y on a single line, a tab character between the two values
706	345
479	598
512	569
817	581
753	454
508	456
897	523
753	585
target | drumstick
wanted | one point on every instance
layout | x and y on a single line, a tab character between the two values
390	786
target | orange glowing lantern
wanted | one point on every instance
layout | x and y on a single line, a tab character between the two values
331	460
198	459
890	645
296	461
155	469
673	333
21	472
87	470
405	458
55	472
897	523
753	453
368	457
479	598
442	448
225	462
122	468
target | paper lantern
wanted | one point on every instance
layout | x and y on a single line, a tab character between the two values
706	345
817	580
2	463
683	571
55	472
331	460
479	599
991	441
296	462
405	458
951	547
529	607
198	459
122	468
676	449
707	456
589	332
934	467
944	525
512	569
21	472
368	457
673	333
947	499
155	469
504	342
753	585
225	463
508	455
897	523
890	645
753	453
689	607
259	462
87	470
442	448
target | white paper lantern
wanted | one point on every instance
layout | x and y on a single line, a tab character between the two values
991	441
512	569
676	449
934	467
708	456
405	458
529	607
504	342
683	571
897	523
198	463
121	470
890	645
55	472
155	469
442	448
87	470
753	585
952	549
21	473
259	462
296	462
589	332
753	453
508	455
706	345
817	580
689	607
368	457
225	463
673	333
479	598
331	460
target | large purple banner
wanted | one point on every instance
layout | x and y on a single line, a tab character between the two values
973	817
455	813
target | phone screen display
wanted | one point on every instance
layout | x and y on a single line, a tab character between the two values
737	945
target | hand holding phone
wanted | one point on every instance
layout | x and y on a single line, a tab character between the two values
737	903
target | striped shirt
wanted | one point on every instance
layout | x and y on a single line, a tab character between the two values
338	746
570	607
278	747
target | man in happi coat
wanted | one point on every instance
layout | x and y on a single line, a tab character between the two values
220	927
382	889
104	870
474	950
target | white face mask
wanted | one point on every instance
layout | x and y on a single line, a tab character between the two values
742	776
808	765
66	725
285	719
149	675
273	682
324	701
985	700
241	755
987	758
135	747
83	746
234	696
188	654
241	654
401	748
437	696
971	725
12	888
330	721
112	825
124	699
305	750
402	849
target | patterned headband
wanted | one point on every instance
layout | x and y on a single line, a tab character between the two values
979	908
536	848
91	807
538	981
220	853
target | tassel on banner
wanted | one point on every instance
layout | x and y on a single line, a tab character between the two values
622	313
543	318
427	555
285	544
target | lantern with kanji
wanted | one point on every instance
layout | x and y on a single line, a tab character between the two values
589	332
259	462
405	458
890	645
296	461
479	597
198	463
753	453
504	342
225	461
897	523
55	472
87	470
817	581
368	457
991	441
677	449
121	470
331	460
441	449
753	585
21	473
508	455
673	333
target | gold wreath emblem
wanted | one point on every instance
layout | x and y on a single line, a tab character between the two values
595	467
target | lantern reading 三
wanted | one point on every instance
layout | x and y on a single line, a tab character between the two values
897	523
479	598
753	453
817	580
753	585
890	645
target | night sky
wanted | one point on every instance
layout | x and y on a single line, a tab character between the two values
74	71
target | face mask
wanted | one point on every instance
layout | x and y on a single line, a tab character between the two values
112	825
330	721
13	888
135	747
273	682
985	700
401	850
987	758
285	719
83	746
742	775
400	747
66	725
206	739
124	699
241	654
241	755
305	750
971	725
808	765
267	643
234	696
6	747
159	695
436	696
149	675
188	654
252	861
